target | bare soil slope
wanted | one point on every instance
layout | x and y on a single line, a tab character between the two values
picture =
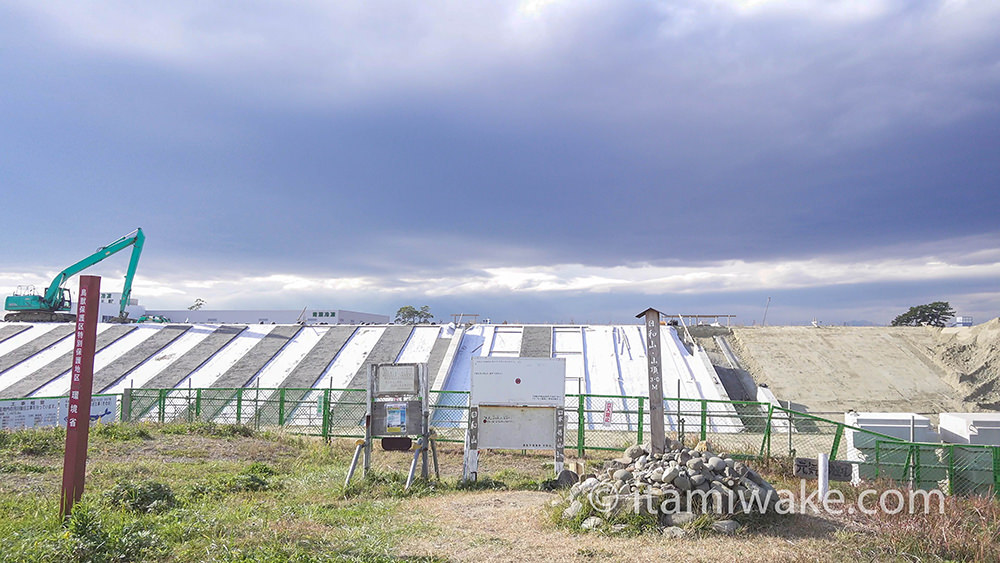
833	369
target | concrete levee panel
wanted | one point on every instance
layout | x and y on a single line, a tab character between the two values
35	346
195	358
137	355
62	364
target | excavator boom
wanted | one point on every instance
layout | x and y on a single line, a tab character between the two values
53	304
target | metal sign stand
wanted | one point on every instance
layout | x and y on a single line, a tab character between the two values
398	408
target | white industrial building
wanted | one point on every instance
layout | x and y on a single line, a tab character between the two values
111	304
320	316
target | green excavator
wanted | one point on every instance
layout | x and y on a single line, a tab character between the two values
53	306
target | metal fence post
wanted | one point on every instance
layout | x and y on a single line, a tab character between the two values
790	426
239	406
197	404
281	407
951	470
162	404
836	441
704	420
126	415
766	441
996	470
326	415
580	427
641	414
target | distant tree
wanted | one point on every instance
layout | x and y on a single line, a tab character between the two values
198	304
411	315
937	313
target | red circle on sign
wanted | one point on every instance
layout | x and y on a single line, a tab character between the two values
518	381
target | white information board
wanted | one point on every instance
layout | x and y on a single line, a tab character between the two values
517	428
398	379
518	381
32	413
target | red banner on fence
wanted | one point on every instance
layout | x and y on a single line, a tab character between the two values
80	391
607	412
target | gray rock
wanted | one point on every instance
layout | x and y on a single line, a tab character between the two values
753	476
622	475
673	532
620	462
656	475
682	482
592	523
716	464
634	452
644	505
589	484
670	474
697	480
574	510
567	478
695	463
679	518
726	526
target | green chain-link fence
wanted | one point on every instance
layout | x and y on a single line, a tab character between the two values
604	423
952	468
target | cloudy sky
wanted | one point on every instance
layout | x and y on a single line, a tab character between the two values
533	161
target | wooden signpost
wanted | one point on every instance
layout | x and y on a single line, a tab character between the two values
80	391
657	434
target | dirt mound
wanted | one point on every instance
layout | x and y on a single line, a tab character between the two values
972	357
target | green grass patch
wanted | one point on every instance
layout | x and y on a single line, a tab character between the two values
19	467
120	432
210	429
33	441
142	496
255	478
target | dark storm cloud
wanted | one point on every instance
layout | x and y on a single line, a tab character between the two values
431	139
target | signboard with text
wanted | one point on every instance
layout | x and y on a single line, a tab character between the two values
34	413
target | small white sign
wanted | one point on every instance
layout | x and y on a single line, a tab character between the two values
517	428
518	381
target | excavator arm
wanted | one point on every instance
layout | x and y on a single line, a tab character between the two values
55	298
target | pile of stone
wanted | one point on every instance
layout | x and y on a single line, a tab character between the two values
674	487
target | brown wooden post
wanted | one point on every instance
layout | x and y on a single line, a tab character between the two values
657	434
80	391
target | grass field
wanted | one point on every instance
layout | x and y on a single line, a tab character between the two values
202	492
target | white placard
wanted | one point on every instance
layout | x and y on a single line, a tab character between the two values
32	413
396	380
517	428
29	413
518	381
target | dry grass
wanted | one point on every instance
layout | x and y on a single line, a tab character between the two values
514	526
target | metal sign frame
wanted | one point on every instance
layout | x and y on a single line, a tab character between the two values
505	395
397	407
